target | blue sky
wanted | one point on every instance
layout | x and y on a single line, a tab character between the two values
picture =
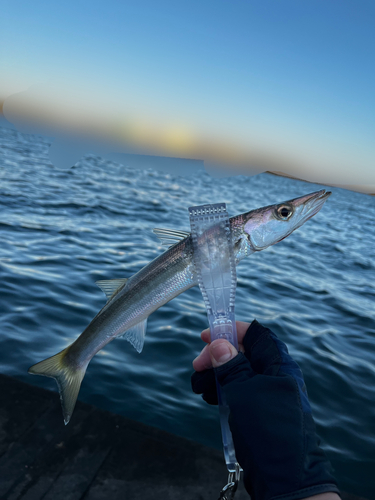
291	78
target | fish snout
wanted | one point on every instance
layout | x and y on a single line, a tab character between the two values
314	203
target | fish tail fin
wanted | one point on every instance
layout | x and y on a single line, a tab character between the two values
68	378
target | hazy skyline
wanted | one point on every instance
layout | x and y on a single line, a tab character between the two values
289	82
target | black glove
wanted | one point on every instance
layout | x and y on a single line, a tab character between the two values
270	419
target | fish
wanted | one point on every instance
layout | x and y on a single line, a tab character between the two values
132	300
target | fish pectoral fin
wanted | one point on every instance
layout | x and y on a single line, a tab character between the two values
110	287
136	335
169	237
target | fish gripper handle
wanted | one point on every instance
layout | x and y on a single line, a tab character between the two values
216	272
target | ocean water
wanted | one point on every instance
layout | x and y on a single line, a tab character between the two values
62	230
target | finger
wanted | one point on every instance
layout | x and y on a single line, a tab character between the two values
221	351
203	360
241	327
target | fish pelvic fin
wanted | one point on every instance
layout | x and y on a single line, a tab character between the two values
67	376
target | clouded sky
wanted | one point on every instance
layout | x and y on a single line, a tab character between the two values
289	79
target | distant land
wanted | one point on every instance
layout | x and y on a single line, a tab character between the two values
357	189
189	164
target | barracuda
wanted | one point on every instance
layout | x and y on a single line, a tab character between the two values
131	301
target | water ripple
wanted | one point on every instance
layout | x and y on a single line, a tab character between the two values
63	230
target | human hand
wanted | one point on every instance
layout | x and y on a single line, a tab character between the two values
270	415
220	351
213	355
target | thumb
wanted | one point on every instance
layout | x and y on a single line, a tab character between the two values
221	351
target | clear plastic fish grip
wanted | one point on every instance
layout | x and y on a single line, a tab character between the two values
215	267
216	272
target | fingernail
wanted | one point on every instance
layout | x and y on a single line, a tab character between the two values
221	352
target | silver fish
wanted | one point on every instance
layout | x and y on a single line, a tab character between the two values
131	301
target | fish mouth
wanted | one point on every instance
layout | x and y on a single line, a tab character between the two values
321	195
316	195
311	203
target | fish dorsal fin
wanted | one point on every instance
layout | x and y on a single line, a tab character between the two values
169	237
136	335
110	287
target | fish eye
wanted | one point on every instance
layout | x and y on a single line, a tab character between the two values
283	212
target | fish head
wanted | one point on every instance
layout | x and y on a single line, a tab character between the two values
269	225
